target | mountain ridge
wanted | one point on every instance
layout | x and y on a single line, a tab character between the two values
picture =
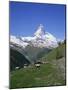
40	39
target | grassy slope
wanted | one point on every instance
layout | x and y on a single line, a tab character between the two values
47	75
56	53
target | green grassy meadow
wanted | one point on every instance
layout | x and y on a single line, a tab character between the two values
48	74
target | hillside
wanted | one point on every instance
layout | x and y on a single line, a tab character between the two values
17	59
34	53
46	75
51	73
31	53
55	54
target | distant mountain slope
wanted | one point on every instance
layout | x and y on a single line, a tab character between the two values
34	53
17	59
55	54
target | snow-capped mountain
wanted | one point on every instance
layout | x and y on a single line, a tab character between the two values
17	41
40	39
40	31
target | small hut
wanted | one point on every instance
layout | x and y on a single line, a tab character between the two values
25	65
37	64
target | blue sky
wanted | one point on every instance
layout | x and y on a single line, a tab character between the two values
25	17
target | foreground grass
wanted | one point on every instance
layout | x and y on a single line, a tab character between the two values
46	75
49	74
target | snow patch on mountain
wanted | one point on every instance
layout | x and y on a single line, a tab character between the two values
18	41
40	31
27	38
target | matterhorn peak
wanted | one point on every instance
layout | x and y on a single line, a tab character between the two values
40	39
40	31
